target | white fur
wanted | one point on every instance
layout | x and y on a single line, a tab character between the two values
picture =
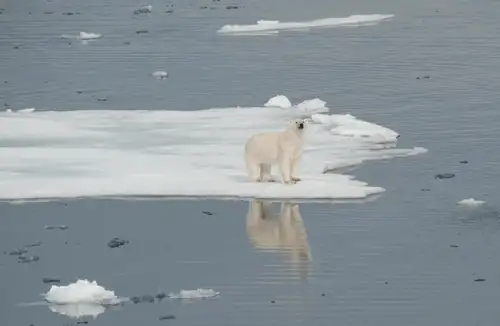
283	148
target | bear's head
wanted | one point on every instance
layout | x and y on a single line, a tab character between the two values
297	124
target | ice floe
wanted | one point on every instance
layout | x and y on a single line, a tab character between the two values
141	153
275	25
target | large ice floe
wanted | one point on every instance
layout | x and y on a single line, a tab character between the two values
140	153
274	26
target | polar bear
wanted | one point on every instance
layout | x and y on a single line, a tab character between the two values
283	148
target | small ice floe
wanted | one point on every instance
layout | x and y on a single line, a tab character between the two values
160	74
143	10
89	36
194	294
82	36
82	298
279	101
471	202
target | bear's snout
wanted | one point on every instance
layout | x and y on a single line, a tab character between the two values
301	125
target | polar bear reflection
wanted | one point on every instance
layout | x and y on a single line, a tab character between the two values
281	232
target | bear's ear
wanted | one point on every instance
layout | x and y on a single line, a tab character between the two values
291	122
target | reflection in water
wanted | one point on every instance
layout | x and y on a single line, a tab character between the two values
78	310
283	232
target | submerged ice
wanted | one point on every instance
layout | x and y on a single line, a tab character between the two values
194	294
49	154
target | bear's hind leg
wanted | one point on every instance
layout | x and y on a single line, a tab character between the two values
265	173
253	170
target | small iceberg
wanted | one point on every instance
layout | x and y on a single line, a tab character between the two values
471	202
160	74
194	294
82	298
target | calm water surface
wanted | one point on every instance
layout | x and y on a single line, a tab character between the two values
393	260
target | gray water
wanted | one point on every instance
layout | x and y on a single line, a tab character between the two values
408	257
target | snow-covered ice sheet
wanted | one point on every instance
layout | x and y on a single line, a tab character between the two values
123	153
270	26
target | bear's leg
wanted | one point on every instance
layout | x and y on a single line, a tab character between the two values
253	170
285	167
295	170
265	172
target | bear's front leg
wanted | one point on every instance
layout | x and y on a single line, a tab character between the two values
295	170
285	169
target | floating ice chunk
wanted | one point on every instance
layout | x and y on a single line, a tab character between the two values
81	292
311	105
275	25
279	101
89	36
471	202
160	74
194	294
83	36
144	10
348	126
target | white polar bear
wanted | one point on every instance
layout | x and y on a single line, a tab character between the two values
283	148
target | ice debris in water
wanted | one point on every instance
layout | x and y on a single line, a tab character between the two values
194	294
82	36
471	202
56	227
444	175
144	10
117	242
279	101
89	36
27	259
18	252
81	292
160	74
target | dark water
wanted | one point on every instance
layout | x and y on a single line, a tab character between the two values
390	261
